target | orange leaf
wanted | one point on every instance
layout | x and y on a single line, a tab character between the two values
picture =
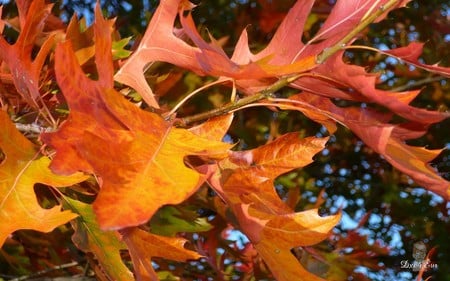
143	246
245	182
138	155
214	128
162	42
24	70
19	171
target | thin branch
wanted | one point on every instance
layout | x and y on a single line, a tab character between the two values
233	106
32	128
368	19
417	83
176	107
46	271
282	82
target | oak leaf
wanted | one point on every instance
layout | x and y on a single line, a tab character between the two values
245	182
24	70
21	168
105	245
387	139
336	79
138	155
143	246
163	42
411	54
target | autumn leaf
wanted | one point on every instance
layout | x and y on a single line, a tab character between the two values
138	155
25	71
411	54
21	168
385	138
336	79
105	245
161	42
245	182
144	246
214	128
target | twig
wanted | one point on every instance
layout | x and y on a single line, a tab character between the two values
233	106
328	52
415	84
45	271
267	93
176	107
32	128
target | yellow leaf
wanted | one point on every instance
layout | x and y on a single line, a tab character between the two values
19	171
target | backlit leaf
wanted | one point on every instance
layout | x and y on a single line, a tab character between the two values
25	71
143	246
245	182
105	245
163	42
138	155
21	168
386	139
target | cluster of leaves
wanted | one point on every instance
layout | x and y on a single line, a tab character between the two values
130	177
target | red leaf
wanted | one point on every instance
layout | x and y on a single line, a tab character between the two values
336	79
386	139
411	53
162	42
24	70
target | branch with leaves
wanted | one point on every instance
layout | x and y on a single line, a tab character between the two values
146	165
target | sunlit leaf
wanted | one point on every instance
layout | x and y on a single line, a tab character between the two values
143	246
19	171
138	155
245	182
105	245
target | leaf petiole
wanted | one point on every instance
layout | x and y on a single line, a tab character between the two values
368	19
241	103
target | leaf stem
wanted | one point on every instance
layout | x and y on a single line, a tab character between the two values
233	106
176	107
368	19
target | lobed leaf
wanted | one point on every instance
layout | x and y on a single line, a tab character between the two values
163	42
138	155
386	139
21	168
143	246
105	245
336	79
24	70
411	54
245	182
